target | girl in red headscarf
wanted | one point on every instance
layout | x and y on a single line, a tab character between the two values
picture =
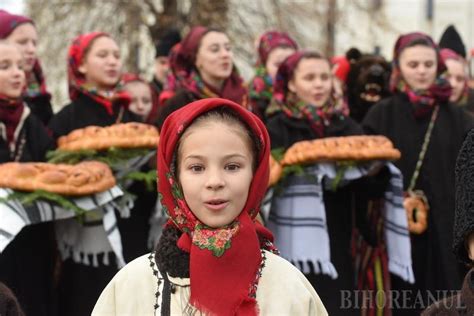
203	67
21	30
144	103
213	257
273	49
94	73
428	131
27	263
307	108
306	105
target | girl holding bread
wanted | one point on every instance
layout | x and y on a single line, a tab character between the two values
27	263
307	106
94	73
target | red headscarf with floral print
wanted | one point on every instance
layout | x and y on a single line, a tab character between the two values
77	81
261	86
182	60
224	262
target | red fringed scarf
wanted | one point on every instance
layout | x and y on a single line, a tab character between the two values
11	111
77	81
222	278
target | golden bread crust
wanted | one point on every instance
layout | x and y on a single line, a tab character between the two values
123	135
85	178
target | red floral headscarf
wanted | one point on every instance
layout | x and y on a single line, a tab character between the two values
271	40
77	81
446	54
224	262
35	81
287	102
182	59
261	86
131	77
440	90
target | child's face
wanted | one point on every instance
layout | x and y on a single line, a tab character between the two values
12	75
214	57
102	65
457	76
26	37
141	98
215	172
312	81
418	65
275	58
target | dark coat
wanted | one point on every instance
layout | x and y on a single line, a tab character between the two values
9	305
38	142
84	111
41	107
80	285
434	264
455	305
27	263
464	211
285	131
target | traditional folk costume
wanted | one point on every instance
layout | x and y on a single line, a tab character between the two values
27	264
186	83
334	235
223	271
261	86
423	123
89	260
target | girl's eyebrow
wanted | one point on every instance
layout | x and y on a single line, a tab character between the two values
225	157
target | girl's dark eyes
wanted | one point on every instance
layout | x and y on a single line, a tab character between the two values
232	167
196	168
324	77
229	167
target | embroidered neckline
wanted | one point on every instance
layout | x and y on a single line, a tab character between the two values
151	258
252	289
254	285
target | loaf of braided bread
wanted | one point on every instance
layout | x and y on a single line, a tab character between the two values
85	178
124	135
349	148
